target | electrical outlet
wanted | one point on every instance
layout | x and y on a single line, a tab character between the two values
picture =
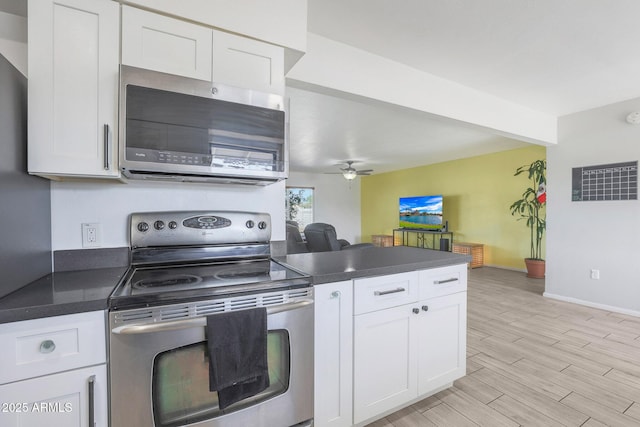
595	274
91	235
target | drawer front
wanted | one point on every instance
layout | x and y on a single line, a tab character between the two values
377	293
43	346
443	281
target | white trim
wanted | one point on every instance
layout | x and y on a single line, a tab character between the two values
521	270
592	304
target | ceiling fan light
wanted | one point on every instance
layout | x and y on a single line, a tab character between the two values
349	175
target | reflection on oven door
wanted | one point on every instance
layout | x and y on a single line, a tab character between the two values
180	382
161	378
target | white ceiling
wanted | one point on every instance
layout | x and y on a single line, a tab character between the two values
556	57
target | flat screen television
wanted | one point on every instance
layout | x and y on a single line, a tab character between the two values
421	212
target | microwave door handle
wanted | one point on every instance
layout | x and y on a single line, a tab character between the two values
194	322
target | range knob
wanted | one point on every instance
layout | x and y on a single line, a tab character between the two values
173	225
158	225
262	225
142	227
250	224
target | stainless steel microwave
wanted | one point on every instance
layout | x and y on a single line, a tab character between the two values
180	129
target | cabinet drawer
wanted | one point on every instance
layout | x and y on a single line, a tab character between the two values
443	281
377	293
43	346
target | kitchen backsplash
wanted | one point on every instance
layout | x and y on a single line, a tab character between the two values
110	203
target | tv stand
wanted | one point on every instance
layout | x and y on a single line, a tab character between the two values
419	238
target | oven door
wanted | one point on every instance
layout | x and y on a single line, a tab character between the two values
160	374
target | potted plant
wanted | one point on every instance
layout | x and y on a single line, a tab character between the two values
531	209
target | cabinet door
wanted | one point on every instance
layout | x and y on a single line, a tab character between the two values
59	400
239	61
442	327
385	360
168	45
333	342
73	87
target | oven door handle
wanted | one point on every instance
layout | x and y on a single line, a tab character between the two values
194	322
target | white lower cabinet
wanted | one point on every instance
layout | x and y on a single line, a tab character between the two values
442	342
384	342
75	398
53	372
385	360
333	354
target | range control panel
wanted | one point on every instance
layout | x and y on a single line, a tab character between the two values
176	228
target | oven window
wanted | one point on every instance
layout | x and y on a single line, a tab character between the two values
180	387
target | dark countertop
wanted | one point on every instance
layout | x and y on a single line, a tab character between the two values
325	267
61	293
67	292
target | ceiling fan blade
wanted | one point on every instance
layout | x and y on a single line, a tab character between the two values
364	172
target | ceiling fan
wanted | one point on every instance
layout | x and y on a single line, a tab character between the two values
350	173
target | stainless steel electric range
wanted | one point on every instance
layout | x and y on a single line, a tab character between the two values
185	266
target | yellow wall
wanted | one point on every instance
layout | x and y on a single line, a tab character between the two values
477	194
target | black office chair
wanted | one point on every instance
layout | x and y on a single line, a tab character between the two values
322	237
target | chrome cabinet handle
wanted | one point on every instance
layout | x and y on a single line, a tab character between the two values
105	144
416	310
92	401
47	346
441	282
425	308
335	294
391	291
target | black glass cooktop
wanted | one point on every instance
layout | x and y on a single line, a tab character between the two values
150	285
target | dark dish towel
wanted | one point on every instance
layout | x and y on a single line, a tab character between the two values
237	344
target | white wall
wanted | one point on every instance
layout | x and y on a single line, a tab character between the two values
603	235
13	40
336	201
74	203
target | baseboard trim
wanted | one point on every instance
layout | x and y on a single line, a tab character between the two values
520	270
592	304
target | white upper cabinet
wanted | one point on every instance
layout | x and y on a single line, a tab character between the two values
239	61
168	45
73	54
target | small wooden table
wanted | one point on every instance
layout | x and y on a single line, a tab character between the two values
382	240
476	250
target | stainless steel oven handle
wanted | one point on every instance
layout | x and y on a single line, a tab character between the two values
194	322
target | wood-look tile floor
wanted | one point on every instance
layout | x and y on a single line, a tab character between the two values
534	361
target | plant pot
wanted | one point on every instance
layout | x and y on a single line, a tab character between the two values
535	268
